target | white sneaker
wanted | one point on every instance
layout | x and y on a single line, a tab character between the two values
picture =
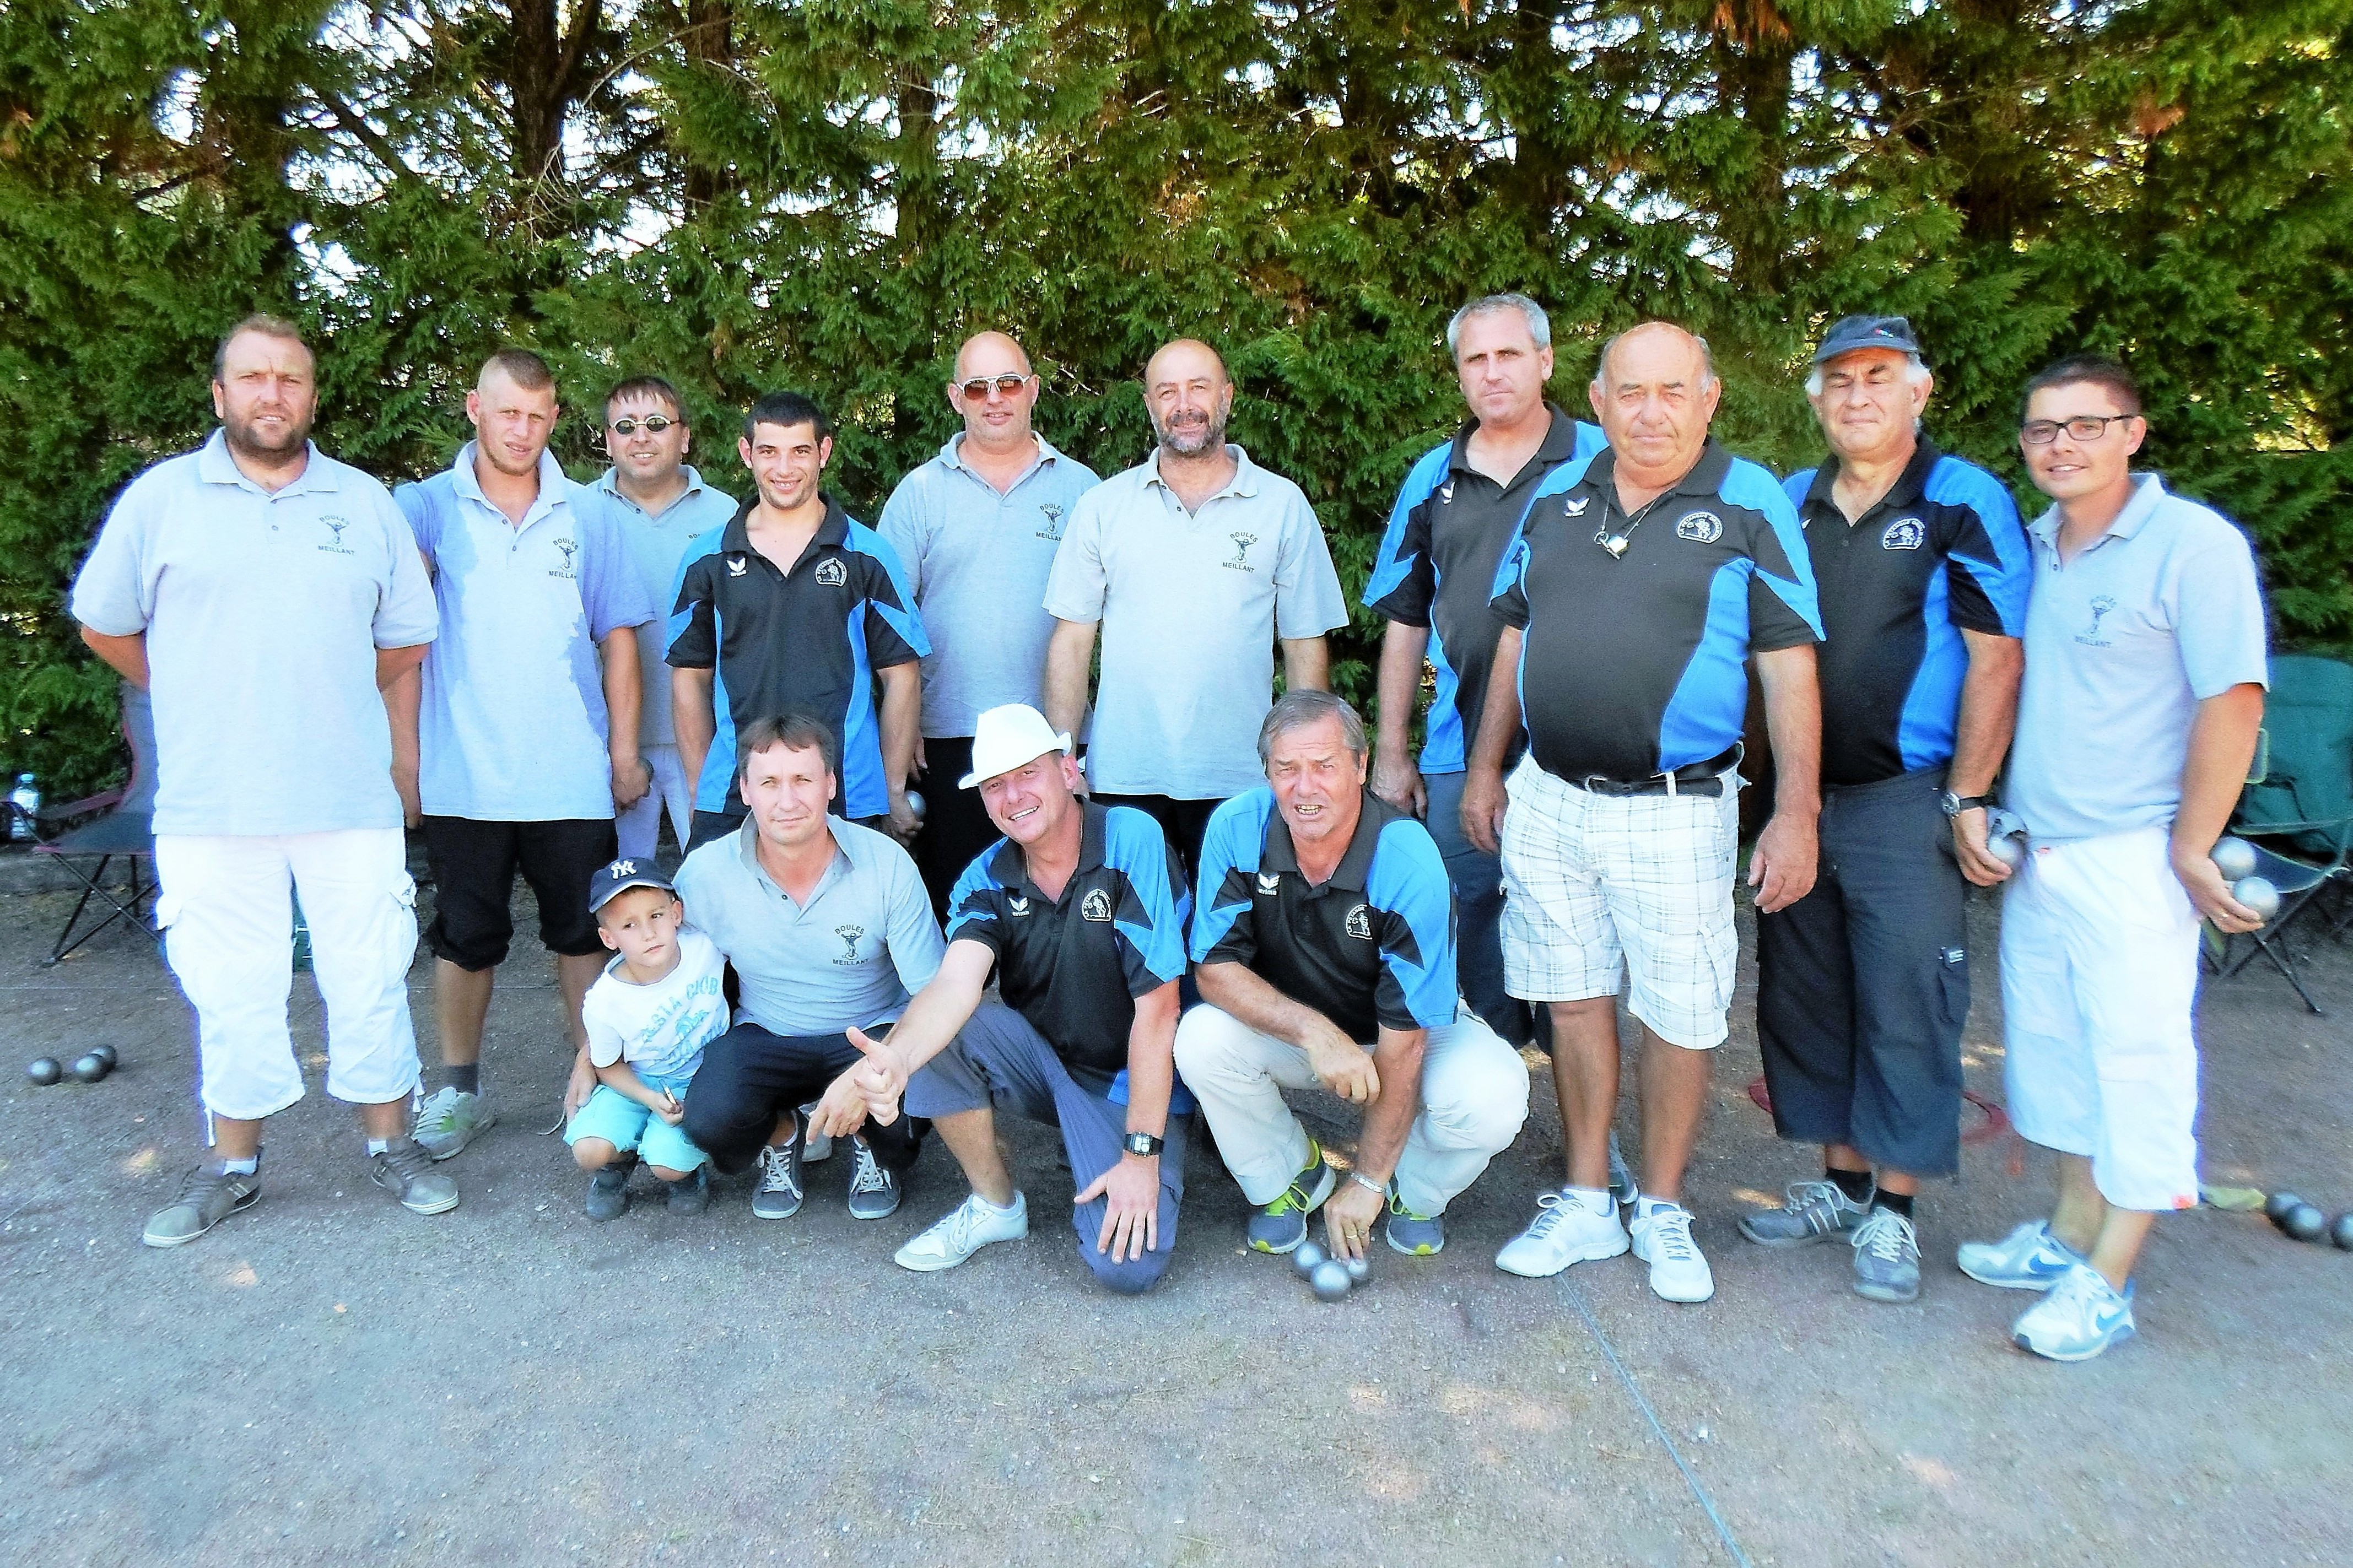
1567	1229
1662	1238
449	1120
962	1231
816	1148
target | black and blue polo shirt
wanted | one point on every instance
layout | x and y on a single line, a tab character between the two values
1073	966
811	637
1943	553
1373	948
1638	628
1437	569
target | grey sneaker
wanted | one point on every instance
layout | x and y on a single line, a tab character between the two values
1282	1226
1886	1258
608	1192
874	1193
1415	1234
1622	1187
778	1194
1809	1211
207	1197
405	1171
449	1120
690	1193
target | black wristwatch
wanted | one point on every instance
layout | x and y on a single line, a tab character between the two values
1143	1143
1954	805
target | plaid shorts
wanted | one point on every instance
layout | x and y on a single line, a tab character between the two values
1598	887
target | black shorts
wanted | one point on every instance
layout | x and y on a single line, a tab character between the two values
1186	821
956	828
474	866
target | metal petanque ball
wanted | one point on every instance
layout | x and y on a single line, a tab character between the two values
1306	1256
2258	894
109	1055
915	803
44	1071
1360	1269
2235	858
2306	1223
2007	850
2006	837
2341	1231
1331	1280
90	1069
2275	1206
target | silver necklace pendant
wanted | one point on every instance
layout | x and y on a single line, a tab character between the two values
1613	542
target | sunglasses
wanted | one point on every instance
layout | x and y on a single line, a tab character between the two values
653	424
977	387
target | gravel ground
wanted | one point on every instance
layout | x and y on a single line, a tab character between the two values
328	1378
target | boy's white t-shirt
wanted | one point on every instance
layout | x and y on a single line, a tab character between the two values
658	1029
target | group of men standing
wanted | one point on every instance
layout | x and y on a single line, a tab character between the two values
536	670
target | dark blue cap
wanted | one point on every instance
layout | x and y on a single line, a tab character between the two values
624	874
1853	332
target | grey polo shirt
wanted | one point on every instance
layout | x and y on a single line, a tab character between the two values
2161	612
851	956
513	724
977	562
263	613
1190	605
656	543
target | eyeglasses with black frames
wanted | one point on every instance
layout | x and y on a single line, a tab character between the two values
2080	427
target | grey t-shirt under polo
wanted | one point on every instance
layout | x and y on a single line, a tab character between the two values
263	613
851	957
1190	606
657	542
2156	614
977	562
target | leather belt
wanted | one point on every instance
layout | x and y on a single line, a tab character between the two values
1693	778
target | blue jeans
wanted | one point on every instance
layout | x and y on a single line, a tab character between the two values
1478	879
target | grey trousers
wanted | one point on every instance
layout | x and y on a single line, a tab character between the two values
999	1060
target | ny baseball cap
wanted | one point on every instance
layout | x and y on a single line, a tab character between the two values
623	875
1854	332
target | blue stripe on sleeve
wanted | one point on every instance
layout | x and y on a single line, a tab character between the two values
1134	846
1232	842
971	902
1796	485
1407	879
1746	484
1390	567
2006	578
900	617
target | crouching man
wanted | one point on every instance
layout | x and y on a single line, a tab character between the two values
1080	912
1325	942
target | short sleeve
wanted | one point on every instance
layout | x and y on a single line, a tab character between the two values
612	591
1783	608
416	504
1407	886
1148	925
693	635
1307	597
1509	598
2219	617
1077	585
914	940
606	1042
112	595
975	913
1987	568
1224	918
1403	583
904	526
406	613
894	632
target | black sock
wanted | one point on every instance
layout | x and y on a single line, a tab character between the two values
467	1079
1899	1202
1855	1184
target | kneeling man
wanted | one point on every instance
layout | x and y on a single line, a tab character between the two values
1080	912
1325	944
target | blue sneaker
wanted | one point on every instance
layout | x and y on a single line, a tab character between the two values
2077	1318
2028	1259
1622	1185
1282	1226
1415	1234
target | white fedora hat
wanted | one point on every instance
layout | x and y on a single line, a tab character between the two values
1004	738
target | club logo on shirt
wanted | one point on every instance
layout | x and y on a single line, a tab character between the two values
1446	493
1359	924
1095	906
1700	528
832	572
566	547
1903	533
848	935
1052	512
1018	904
334	527
737	566
1270	883
1576	507
2090	637
1242	541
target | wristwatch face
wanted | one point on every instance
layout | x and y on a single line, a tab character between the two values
1952	804
1141	1143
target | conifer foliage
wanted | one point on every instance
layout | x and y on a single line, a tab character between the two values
744	195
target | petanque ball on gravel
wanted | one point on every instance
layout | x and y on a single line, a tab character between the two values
1306	1256
44	1071
89	1068
2275	1206
1331	1279
109	1055
1360	1269
2306	1223
2341	1231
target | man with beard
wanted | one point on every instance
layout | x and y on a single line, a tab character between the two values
527	747
264	594
1192	564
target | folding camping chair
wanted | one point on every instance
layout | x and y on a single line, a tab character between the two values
2301	798
125	832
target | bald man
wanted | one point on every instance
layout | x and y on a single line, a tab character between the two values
1192	564
1641	580
977	528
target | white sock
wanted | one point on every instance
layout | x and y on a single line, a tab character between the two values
1596	1200
1646	1207
378	1145
999	1208
240	1167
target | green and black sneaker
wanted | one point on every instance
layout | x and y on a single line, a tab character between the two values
1282	1226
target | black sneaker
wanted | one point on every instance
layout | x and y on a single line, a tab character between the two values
874	1193
777	1194
608	1192
689	1193
405	1171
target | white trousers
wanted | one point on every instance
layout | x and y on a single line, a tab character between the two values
2099	972
640	827
228	925
1474	1095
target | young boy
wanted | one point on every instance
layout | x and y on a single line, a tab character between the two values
648	1017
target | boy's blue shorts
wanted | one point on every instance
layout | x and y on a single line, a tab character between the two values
624	1124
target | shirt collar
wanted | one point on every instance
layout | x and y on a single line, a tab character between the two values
1703	478
551	483
1909	486
1243	483
2149	492
831	534
1012	866
609	482
1280	854
216	466
1560	445
747	854
952	454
